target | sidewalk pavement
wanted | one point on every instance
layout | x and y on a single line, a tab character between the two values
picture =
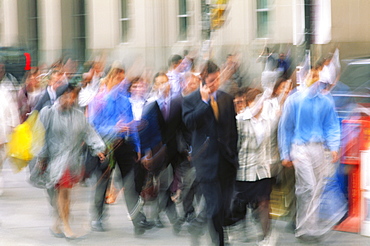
25	220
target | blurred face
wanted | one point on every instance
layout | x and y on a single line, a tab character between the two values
240	104
67	100
56	80
192	83
162	84
32	82
138	89
120	76
213	81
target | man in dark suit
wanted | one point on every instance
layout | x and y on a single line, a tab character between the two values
169	115
209	114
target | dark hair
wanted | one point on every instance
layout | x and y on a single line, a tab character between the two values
72	88
209	68
251	95
134	81
241	92
174	60
158	75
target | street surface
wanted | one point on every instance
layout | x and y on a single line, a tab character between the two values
25	220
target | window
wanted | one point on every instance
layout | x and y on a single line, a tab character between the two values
79	32
262	18
183	20
206	19
124	20
33	40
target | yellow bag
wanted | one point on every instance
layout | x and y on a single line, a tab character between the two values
25	139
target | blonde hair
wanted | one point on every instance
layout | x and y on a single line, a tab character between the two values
109	81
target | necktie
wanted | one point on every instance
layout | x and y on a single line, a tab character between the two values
214	107
164	110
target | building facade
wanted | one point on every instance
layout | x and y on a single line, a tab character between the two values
147	32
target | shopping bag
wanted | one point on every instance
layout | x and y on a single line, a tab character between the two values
26	140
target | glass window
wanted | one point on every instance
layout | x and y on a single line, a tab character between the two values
124	20
183	20
262	18
79	32
33	39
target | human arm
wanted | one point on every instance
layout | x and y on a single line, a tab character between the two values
332	131
286	130
193	110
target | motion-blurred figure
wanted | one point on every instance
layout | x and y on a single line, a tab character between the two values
66	129
29	94
309	126
9	119
209	114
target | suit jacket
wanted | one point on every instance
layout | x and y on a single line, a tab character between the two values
44	100
173	127
214	142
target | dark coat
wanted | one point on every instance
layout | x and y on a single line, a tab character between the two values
214	142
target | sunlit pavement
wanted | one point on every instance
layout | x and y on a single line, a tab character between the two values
25	220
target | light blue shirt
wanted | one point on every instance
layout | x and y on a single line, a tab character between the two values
308	117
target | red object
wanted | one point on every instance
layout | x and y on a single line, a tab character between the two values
68	180
356	137
28	61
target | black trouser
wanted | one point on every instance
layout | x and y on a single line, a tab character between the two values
218	195
124	156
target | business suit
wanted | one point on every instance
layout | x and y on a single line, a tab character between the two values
214	154
171	128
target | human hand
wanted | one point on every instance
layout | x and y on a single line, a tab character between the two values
101	156
287	163
335	156
138	156
204	92
147	159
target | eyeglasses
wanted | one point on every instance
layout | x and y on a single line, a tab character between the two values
239	101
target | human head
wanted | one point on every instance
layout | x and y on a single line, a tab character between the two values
32	81
192	83
137	88
55	79
114	77
68	98
161	84
211	76
174	61
251	95
240	102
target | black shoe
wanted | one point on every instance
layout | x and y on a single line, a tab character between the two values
158	223
97	225
176	228
196	228
144	224
190	216
138	231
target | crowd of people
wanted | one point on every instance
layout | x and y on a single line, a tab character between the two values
192	141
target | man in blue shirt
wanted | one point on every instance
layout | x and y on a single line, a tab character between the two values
309	127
